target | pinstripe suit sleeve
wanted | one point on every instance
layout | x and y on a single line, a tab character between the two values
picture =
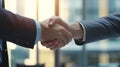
101	28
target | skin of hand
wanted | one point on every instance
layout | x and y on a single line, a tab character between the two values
75	29
55	35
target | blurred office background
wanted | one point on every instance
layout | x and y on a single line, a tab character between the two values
104	53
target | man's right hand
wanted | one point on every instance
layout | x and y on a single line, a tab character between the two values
68	31
54	36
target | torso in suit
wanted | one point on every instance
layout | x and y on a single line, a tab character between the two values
0	39
102	28
16	29
3	49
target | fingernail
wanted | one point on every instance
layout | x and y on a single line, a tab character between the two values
50	24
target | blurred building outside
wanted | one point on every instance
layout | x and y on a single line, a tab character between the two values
104	53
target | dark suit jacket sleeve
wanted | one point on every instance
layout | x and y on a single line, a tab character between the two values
102	28
17	29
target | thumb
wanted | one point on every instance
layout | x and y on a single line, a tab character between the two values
57	20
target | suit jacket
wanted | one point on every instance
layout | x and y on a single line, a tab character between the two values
3	52
17	29
101	28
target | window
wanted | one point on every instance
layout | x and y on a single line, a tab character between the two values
104	53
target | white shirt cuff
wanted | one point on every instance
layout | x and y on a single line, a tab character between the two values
38	32
84	33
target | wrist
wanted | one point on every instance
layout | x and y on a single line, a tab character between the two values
42	30
76	30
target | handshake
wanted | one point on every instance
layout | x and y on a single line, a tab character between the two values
56	33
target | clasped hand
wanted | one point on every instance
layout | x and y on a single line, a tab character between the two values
56	33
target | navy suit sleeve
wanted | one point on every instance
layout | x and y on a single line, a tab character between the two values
17	29
102	28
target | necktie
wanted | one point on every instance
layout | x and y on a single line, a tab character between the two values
0	50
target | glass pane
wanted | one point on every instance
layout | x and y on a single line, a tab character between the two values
35	9
104	53
71	11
